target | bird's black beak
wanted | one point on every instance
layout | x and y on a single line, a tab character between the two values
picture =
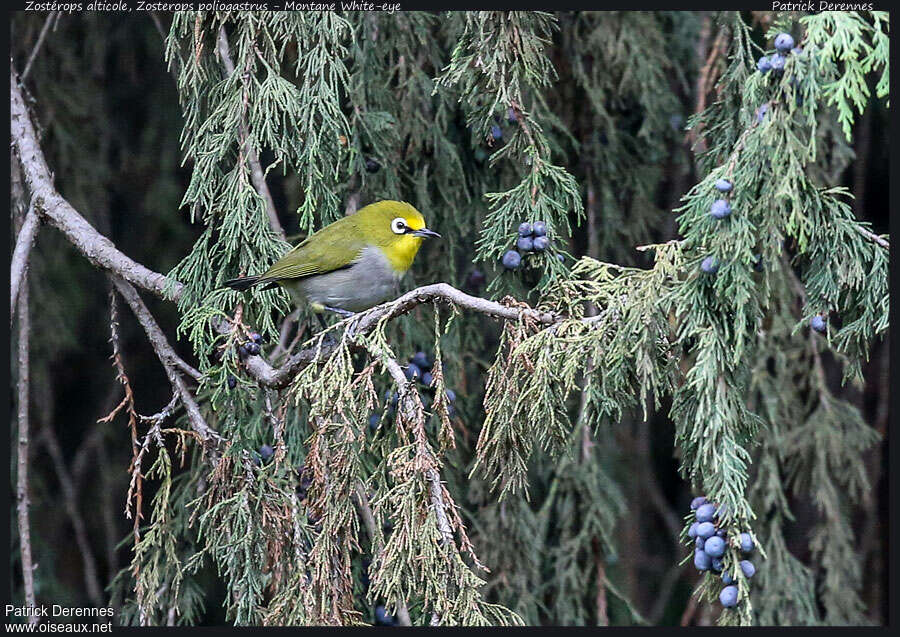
425	233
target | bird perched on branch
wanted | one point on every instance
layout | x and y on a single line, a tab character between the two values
352	264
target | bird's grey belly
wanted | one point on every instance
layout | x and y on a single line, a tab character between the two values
366	283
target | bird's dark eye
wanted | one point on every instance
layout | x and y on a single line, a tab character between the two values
398	225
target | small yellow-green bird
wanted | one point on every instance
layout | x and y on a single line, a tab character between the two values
352	264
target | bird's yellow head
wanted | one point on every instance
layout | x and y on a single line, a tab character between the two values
397	229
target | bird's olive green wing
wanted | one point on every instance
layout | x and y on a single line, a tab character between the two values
334	247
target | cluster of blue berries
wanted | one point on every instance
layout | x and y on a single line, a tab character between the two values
784	44
720	209
710	545
532	238
416	371
251	347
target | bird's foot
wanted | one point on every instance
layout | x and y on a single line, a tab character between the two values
329	341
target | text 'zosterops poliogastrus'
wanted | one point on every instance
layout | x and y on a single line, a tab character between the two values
352	264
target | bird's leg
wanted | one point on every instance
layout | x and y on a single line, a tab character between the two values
339	311
329	339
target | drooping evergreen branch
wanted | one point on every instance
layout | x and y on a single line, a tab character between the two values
436	494
500	62
429	555
434	478
368	518
256	172
860	47
767	149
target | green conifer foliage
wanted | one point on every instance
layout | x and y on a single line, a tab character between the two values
498	494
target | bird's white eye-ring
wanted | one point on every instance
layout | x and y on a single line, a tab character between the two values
398	225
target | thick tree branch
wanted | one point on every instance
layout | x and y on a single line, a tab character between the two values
58	212
367	321
19	263
22	459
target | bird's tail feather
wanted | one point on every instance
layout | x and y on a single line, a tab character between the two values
243	283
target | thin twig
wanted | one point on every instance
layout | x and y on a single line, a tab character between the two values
363	323
167	357
37	45
368	518
871	236
70	501
163	414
